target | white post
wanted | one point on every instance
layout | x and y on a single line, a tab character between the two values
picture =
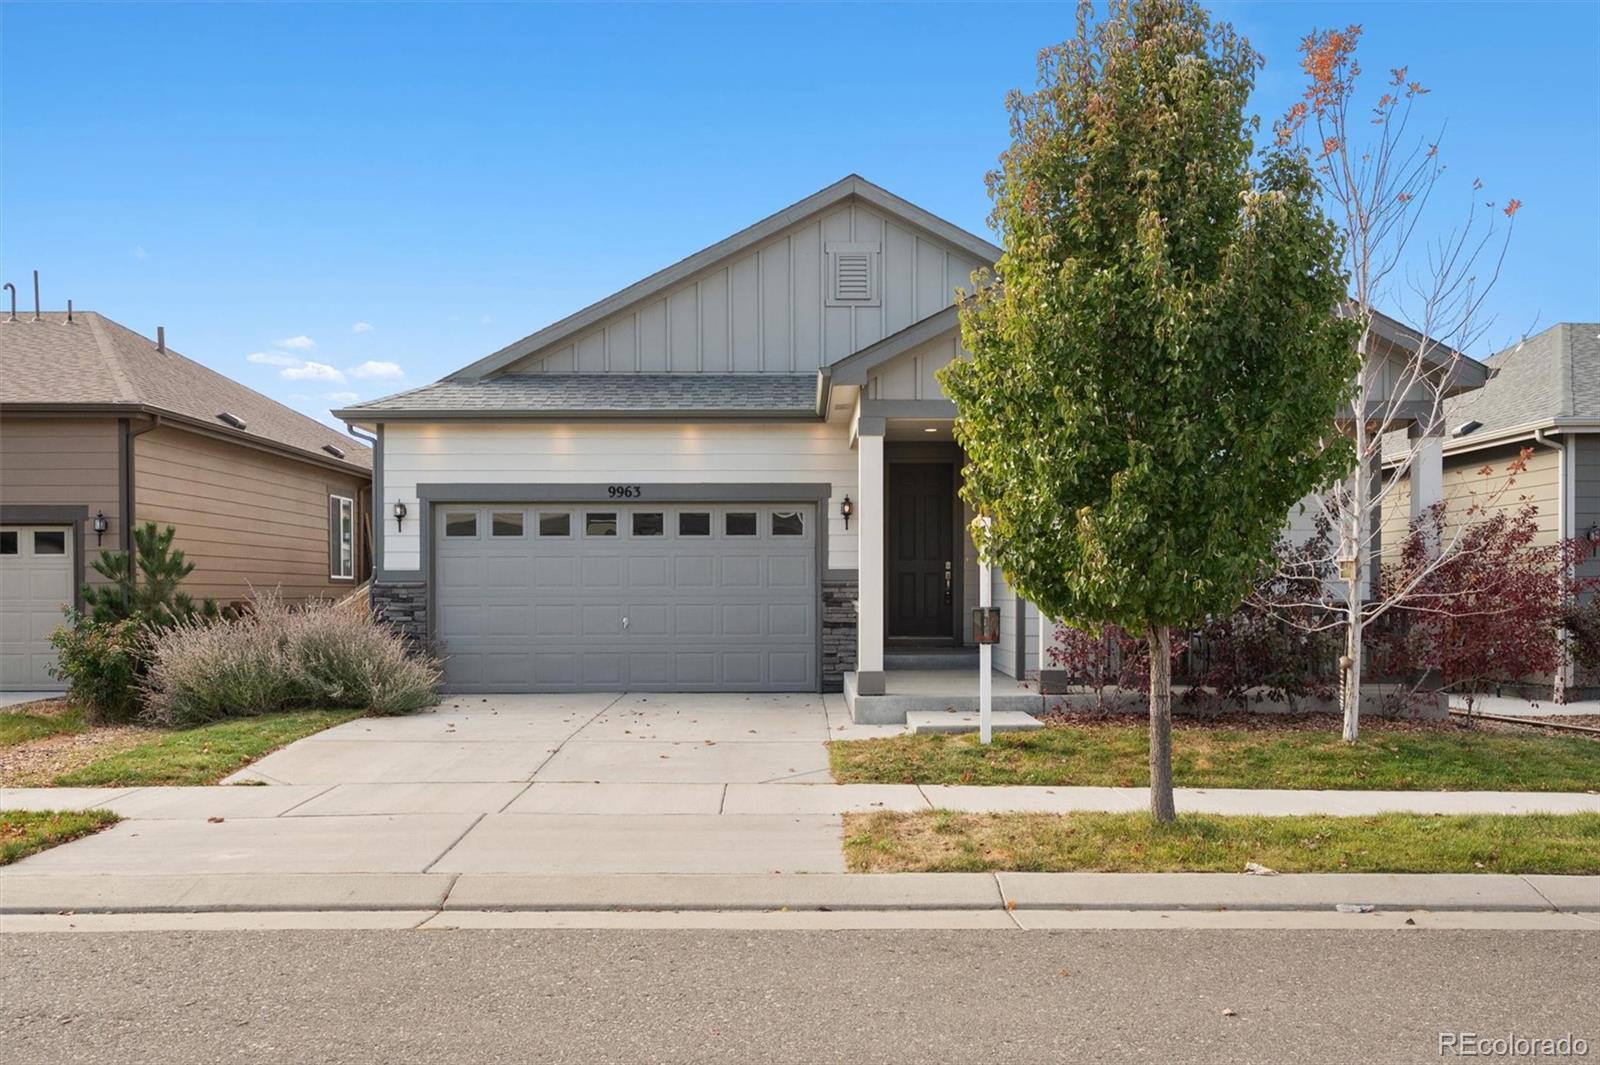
985	654
869	613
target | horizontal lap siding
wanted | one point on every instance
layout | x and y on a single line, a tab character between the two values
65	462
244	517
1466	486
531	453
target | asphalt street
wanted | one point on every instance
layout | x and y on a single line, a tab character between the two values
882	996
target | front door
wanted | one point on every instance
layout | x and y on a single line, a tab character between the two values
921	556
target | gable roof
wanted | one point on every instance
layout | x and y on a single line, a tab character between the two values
1545	380
94	363
580	395
840	191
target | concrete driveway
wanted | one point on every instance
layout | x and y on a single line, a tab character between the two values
540	784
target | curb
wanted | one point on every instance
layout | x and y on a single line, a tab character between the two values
1485	892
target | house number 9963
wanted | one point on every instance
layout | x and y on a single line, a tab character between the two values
624	491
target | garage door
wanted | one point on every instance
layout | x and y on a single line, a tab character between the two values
687	597
35	583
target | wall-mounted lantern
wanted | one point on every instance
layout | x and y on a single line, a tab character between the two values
1593	535
399	516
846	509
100	526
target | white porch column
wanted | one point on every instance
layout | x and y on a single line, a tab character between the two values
870	533
1427	472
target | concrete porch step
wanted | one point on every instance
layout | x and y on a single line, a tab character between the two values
955	721
931	658
937	691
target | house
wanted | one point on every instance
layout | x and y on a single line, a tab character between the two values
102	429
1543	397
736	474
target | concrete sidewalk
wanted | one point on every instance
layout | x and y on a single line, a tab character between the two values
737	799
875	892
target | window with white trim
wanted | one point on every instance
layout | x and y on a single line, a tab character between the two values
341	538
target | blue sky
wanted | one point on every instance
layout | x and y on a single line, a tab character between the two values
366	197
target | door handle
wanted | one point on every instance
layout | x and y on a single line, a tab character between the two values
947	579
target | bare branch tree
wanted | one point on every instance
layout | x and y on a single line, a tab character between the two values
1379	179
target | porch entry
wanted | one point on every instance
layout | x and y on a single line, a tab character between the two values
922	567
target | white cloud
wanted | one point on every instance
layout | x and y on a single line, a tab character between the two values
312	371
139	252
298	343
362	327
486	320
372	368
272	358
341	397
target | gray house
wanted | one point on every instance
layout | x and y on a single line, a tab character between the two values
737	474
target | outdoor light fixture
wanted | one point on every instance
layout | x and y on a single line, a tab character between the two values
847	508
399	515
100	526
1593	535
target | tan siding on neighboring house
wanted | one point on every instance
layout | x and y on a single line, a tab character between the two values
1465	485
244	517
62	461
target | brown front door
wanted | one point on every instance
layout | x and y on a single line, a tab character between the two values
921	556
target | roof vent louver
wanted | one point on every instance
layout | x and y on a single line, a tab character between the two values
231	419
336	452
1467	427
852	274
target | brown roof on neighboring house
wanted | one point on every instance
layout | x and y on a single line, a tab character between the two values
93	361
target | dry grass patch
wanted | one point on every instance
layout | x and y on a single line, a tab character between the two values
941	841
1239	752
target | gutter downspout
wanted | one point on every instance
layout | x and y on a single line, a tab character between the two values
129	433
1566	471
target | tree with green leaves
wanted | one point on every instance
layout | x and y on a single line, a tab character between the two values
144	587
1156	367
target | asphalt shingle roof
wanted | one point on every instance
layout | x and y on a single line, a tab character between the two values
1555	374
94	361
621	393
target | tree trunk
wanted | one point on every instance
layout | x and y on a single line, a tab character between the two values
1161	806
1350	672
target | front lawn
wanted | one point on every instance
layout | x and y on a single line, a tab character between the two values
1418	757
32	721
25	832
202	755
940	841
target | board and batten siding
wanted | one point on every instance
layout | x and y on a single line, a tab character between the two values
644	454
911	376
246	518
62	461
766	311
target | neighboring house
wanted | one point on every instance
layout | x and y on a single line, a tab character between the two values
1543	397
737	474
102	429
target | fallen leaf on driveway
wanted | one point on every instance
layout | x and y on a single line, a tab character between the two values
1257	869
213	820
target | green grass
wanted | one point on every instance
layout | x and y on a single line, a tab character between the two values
25	832
1447	758
940	841
21	725
201	755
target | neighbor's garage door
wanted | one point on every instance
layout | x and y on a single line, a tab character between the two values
578	597
35	583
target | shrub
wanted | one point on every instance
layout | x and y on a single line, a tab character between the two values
274	657
148	589
101	661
